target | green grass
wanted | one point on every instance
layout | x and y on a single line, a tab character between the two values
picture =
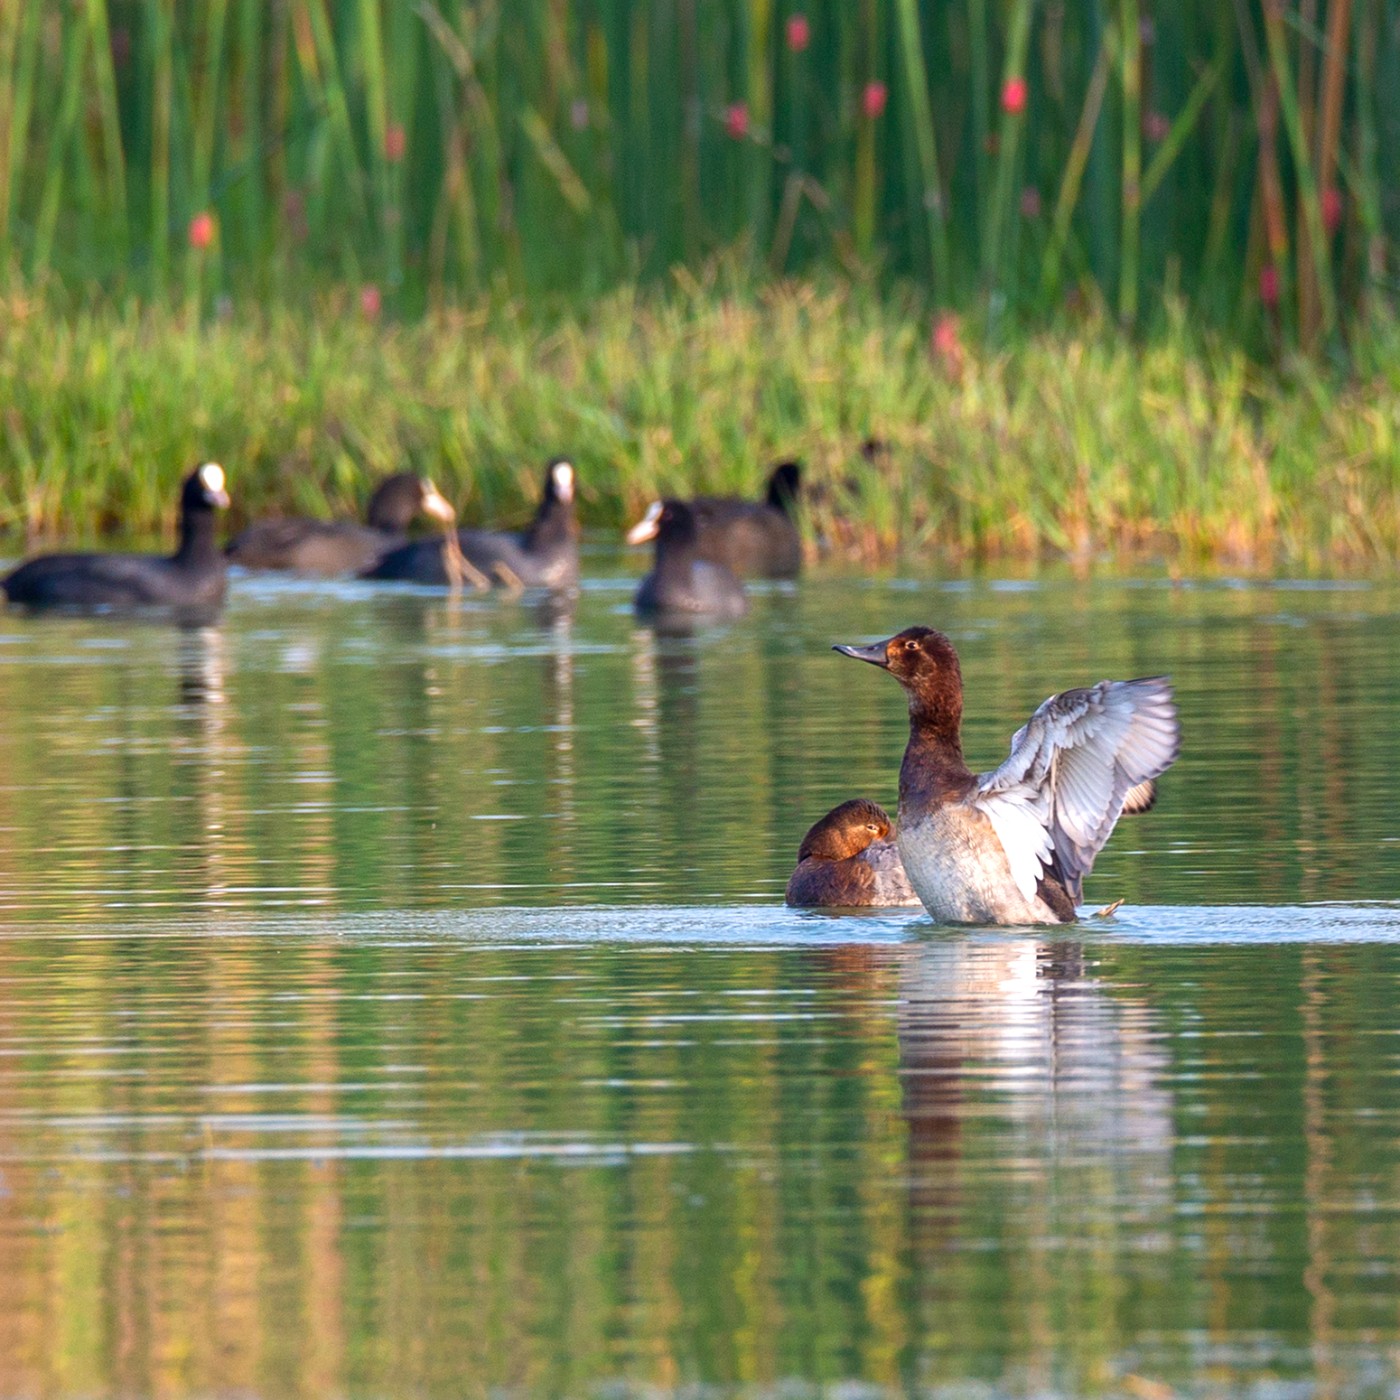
441	149
1068	442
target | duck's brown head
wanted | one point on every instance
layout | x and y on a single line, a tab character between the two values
845	831
923	661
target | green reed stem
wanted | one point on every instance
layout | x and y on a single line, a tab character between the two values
1308	193
1050	267
1130	70
1007	162
926	143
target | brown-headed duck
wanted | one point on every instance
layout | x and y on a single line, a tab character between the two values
194	577
1012	846
849	860
543	555
330	547
681	582
753	539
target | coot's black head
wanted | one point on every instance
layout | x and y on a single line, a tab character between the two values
555	525
922	660
559	482
401	498
846	831
783	486
205	490
667	522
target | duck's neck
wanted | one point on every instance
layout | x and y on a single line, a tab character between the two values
198	539
933	767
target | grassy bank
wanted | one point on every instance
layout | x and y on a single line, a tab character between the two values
1071	442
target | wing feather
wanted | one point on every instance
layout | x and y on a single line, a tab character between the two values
1083	759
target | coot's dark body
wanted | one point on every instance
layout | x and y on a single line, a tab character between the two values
680	582
752	539
192	578
545	555
331	547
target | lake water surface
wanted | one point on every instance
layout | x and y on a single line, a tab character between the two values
396	999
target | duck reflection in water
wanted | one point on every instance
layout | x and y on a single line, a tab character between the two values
200	666
1034	1101
1033	1098
199	777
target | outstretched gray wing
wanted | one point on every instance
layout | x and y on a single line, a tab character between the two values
1078	760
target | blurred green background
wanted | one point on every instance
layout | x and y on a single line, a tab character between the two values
1013	155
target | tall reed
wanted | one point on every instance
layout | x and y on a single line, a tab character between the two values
1008	156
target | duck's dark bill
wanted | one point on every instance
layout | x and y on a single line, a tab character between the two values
876	653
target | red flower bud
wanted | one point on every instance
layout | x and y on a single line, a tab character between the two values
874	98
1268	285
1332	209
1156	126
799	33
1013	96
201	232
945	343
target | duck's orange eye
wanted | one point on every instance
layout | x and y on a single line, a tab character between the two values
872	826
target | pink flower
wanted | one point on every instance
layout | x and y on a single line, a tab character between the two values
1332	209
1030	202
873	99
1013	96
1268	285
201	231
945	342
736	120
371	303
1156	126
395	142
799	33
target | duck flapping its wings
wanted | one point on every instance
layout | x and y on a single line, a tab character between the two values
1081	760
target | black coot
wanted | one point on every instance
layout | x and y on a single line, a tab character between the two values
681	582
754	539
330	547
193	578
544	555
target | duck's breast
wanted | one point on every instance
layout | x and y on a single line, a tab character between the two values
957	867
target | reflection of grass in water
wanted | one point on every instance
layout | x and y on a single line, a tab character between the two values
1069	442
